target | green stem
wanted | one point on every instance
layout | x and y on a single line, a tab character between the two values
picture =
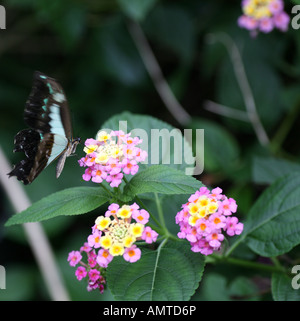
145	207
249	264
159	230
141	203
234	246
277	263
160	211
107	190
277	267
167	234
245	88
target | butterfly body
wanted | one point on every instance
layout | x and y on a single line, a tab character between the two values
50	134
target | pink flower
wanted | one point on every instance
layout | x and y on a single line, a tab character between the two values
132	254
115	180
203	191
112	209
80	273
85	248
191	234
134	206
194	197
129	152
216	193
264	16
101	288
181	216
204	227
92	259
74	258
98	174
281	21
108	159
87	174
205	218
233	227
228	206
94	228
112	236
266	25
181	235
214	239
203	247
120	134
82	161
276	6
141	216
94	275
141	155
91	141
92	286
247	22
218	221
130	166
90	160
113	167
104	258
94	239
149	235
132	141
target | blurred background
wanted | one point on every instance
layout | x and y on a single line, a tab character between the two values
97	51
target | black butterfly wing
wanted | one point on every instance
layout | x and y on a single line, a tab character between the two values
47	113
46	102
45	155
27	141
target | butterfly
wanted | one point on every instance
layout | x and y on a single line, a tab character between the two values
50	134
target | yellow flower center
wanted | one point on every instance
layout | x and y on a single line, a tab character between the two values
119	233
102	136
202	207
116	249
124	212
258	9
102	222
90	149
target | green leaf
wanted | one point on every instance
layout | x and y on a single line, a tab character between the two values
243	288
171	273
273	224
282	289
71	201
164	143
162	179
136	9
267	169
215	287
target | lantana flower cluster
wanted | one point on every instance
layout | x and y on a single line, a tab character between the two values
91	270
110	156
113	234
264	16
204	219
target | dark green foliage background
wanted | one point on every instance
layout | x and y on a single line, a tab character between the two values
87	46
